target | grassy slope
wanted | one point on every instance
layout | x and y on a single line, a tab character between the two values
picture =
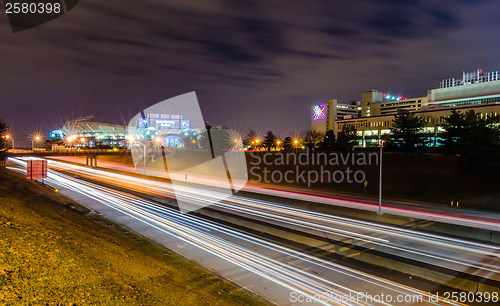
53	253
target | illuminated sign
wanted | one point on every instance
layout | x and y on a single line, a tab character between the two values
166	123
389	97
143	122
319	112
36	169
185	124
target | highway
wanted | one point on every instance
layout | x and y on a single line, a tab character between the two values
456	216
455	254
290	271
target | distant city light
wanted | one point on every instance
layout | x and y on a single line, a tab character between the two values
393	97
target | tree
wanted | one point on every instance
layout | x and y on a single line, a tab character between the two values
347	137
313	138
328	142
287	143
270	140
203	140
407	132
250	139
476	139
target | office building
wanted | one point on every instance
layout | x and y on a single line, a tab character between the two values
478	91
324	115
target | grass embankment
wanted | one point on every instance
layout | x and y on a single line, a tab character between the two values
52	251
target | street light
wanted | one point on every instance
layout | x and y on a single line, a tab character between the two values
132	139
35	139
8	137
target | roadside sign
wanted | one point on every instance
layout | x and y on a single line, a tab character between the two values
36	169
366	183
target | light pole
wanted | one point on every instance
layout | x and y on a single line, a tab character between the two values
37	138
380	182
8	137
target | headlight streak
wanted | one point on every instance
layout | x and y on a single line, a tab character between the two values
283	209
216	246
426	215
258	205
327	218
317	289
282	272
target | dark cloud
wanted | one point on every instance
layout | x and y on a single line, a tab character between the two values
258	63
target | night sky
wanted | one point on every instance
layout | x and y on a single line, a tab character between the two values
254	64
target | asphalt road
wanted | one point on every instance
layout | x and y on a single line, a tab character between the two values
444	214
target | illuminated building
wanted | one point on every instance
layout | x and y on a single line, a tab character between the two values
324	115
478	91
469	78
174	130
371	129
475	88
376	103
95	134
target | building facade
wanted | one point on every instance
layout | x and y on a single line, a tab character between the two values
324	115
371	130
478	91
83	133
